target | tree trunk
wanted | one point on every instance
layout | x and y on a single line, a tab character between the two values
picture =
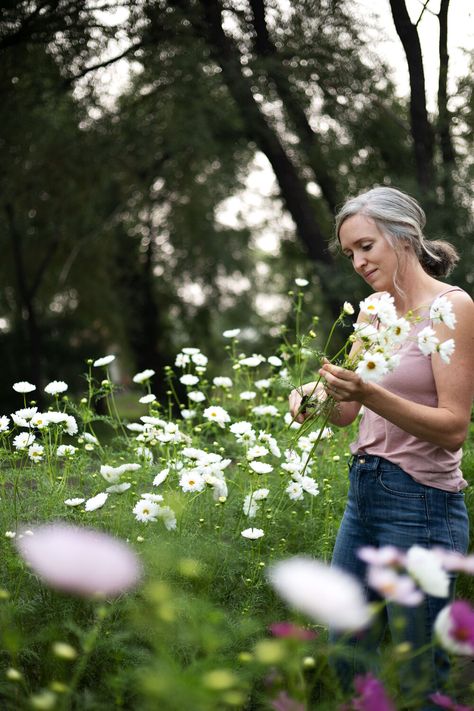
444	118
421	129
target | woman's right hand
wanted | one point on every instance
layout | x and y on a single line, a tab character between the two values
315	391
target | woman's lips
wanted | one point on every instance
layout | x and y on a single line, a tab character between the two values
370	274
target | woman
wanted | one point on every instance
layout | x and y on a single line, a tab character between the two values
405	481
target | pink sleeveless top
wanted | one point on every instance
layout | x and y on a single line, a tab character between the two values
413	380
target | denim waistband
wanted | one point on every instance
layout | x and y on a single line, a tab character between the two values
372	462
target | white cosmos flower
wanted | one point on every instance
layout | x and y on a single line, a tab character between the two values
241	427
23	440
192	480
146	510
196	396
4	423
271	441
118	488
70	425
160	477
248	395
427	341
257	451
425	568
65	450
328	595
252	533
143	376
135	427
263	384
442	311
260	494
36	452
252	361
261	467
309	485
96	502
189	379
274	360
454	628
55	387
74	502
295	491
232	333
24	387
199	359
262	410
222	382
40	420
348	308
446	350
147	399
216	414
369	306
301	282
182	360
106	360
372	367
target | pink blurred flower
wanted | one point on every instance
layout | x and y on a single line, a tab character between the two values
372	695
390	585
80	560
283	702
445	702
452	560
385	555
454	627
288	629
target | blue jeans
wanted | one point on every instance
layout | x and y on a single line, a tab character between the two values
386	506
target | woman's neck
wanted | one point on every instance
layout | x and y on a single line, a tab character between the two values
417	289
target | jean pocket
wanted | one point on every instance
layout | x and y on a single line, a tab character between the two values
398	483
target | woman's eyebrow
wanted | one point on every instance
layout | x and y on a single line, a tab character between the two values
357	241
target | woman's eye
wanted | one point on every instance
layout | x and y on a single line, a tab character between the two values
366	247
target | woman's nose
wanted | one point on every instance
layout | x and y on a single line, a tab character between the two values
359	260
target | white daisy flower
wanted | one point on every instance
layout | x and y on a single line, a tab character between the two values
106	360
189	379
248	395
222	382
372	367
199	359
146	510
40	420
191	480
446	350
256	452
118	488
274	360
65	450
55	387
23	386
143	376
369	306
252	533
196	396
441	311
147	399
36	452
261	467
74	502
301	282
216	414
57	418
4	423
232	333
348	308
295	490
71	425
399	330
427	341
309	485
96	502
365	332
182	360
23	440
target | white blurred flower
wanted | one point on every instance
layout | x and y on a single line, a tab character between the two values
301	282
262	410
250	506
427	340
348	308
65	450
261	467
221	381
118	488
196	396
241	427
96	502
252	533
135	427
199	359
168	517
145	453
365	332
394	587
189	379
146	510
274	360
10	534
288	419
328	595
74	502
143	376
55	387
160	477
309	485
182	360
216	414
106	360
113	474
36	452
188	414
23	440
70	425
190	350
252	361
294	491
248	395
372	367
232	333
157	498
147	399
257	451
271	442
446	350
441	311
24	387
260	494
4	423
425	568
262	384
91	439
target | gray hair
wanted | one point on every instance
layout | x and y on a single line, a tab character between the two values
401	220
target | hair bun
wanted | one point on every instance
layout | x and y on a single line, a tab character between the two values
438	257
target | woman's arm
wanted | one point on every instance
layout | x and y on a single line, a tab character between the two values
446	424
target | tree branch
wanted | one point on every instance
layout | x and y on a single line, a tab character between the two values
105	63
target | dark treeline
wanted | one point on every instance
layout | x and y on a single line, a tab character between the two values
108	212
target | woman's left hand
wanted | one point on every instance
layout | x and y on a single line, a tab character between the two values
341	384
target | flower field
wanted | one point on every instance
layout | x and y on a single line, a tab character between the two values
184	564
